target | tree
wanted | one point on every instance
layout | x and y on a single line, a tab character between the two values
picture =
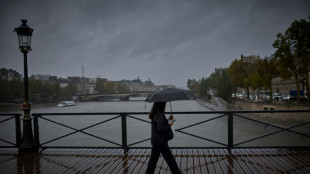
204	88
267	70
101	85
235	71
292	53
193	85
110	87
220	81
241	72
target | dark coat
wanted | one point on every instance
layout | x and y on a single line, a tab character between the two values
161	130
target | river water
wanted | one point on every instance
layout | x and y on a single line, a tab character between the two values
137	130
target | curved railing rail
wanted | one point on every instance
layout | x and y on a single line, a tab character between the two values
9	117
230	115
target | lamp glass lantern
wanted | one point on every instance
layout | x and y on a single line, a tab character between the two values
24	33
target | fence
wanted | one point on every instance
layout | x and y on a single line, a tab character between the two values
229	144
17	130
230	115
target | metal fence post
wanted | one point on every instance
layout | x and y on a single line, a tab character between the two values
230	132
124	133
36	131
17	130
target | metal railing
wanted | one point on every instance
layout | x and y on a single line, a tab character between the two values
123	116
124	140
17	130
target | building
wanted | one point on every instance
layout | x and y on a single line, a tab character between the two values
9	74
45	78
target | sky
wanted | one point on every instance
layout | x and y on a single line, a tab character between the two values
166	41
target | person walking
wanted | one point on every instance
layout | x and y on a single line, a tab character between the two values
161	134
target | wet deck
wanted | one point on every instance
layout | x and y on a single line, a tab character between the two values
135	161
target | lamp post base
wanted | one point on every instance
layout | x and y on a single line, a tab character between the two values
27	142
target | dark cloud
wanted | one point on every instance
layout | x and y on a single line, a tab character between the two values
168	41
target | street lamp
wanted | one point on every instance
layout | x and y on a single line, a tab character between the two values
24	33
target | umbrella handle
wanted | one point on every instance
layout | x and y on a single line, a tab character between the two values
170	108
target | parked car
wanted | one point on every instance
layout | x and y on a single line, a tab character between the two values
285	98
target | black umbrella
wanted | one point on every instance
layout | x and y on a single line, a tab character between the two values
170	94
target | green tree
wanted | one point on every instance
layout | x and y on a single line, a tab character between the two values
267	70
121	88
204	88
101	85
110	87
193	85
236	73
224	87
292	53
16	88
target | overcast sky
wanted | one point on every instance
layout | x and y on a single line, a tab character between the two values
168	41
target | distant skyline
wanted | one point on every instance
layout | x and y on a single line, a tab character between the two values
167	41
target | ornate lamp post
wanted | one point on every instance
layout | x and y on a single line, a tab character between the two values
24	33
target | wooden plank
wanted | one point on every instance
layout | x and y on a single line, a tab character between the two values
84	157
302	156
102	161
203	162
284	160
93	162
122	165
272	165
132	161
8	160
228	161
145	161
261	157
197	164
76	159
106	161
233	161
190	162
278	165
302	161
141	161
242	161
300	166
209	162
114	160
254	162
28	162
184	161
220	160
215	161
58	162
178	157
135	160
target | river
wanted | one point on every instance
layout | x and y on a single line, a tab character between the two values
215	130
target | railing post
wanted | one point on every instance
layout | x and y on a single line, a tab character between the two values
36	131
124	133
230	132
17	130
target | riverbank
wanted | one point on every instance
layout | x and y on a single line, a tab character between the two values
279	119
215	104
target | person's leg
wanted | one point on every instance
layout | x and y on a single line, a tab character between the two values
165	151
153	160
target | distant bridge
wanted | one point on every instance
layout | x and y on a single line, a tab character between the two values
114	96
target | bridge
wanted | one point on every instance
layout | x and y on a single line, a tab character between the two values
114	96
128	155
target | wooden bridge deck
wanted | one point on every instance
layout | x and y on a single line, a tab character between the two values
135	161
